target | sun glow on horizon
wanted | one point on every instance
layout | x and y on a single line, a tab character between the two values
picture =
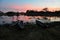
23	5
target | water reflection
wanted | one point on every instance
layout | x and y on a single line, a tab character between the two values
7	19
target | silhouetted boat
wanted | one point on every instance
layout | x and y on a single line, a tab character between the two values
44	23
18	23
39	23
21	24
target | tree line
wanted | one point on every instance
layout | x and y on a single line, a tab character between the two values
32	13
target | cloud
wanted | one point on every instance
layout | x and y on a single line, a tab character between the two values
25	7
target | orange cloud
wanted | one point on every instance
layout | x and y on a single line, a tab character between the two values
30	7
25	7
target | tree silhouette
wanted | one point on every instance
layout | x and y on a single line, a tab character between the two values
44	12
1	13
45	9
10	13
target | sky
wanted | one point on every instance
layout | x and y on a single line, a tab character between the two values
23	5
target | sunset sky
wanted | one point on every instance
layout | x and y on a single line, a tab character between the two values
23	5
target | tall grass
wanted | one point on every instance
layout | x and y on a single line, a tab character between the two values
30	32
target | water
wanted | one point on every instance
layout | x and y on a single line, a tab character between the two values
30	19
5	19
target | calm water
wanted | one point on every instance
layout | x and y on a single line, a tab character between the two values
7	19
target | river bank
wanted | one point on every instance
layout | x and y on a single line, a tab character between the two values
30	32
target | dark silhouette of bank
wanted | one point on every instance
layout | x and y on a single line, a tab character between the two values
38	31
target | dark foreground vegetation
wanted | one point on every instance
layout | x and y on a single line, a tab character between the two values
30	32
